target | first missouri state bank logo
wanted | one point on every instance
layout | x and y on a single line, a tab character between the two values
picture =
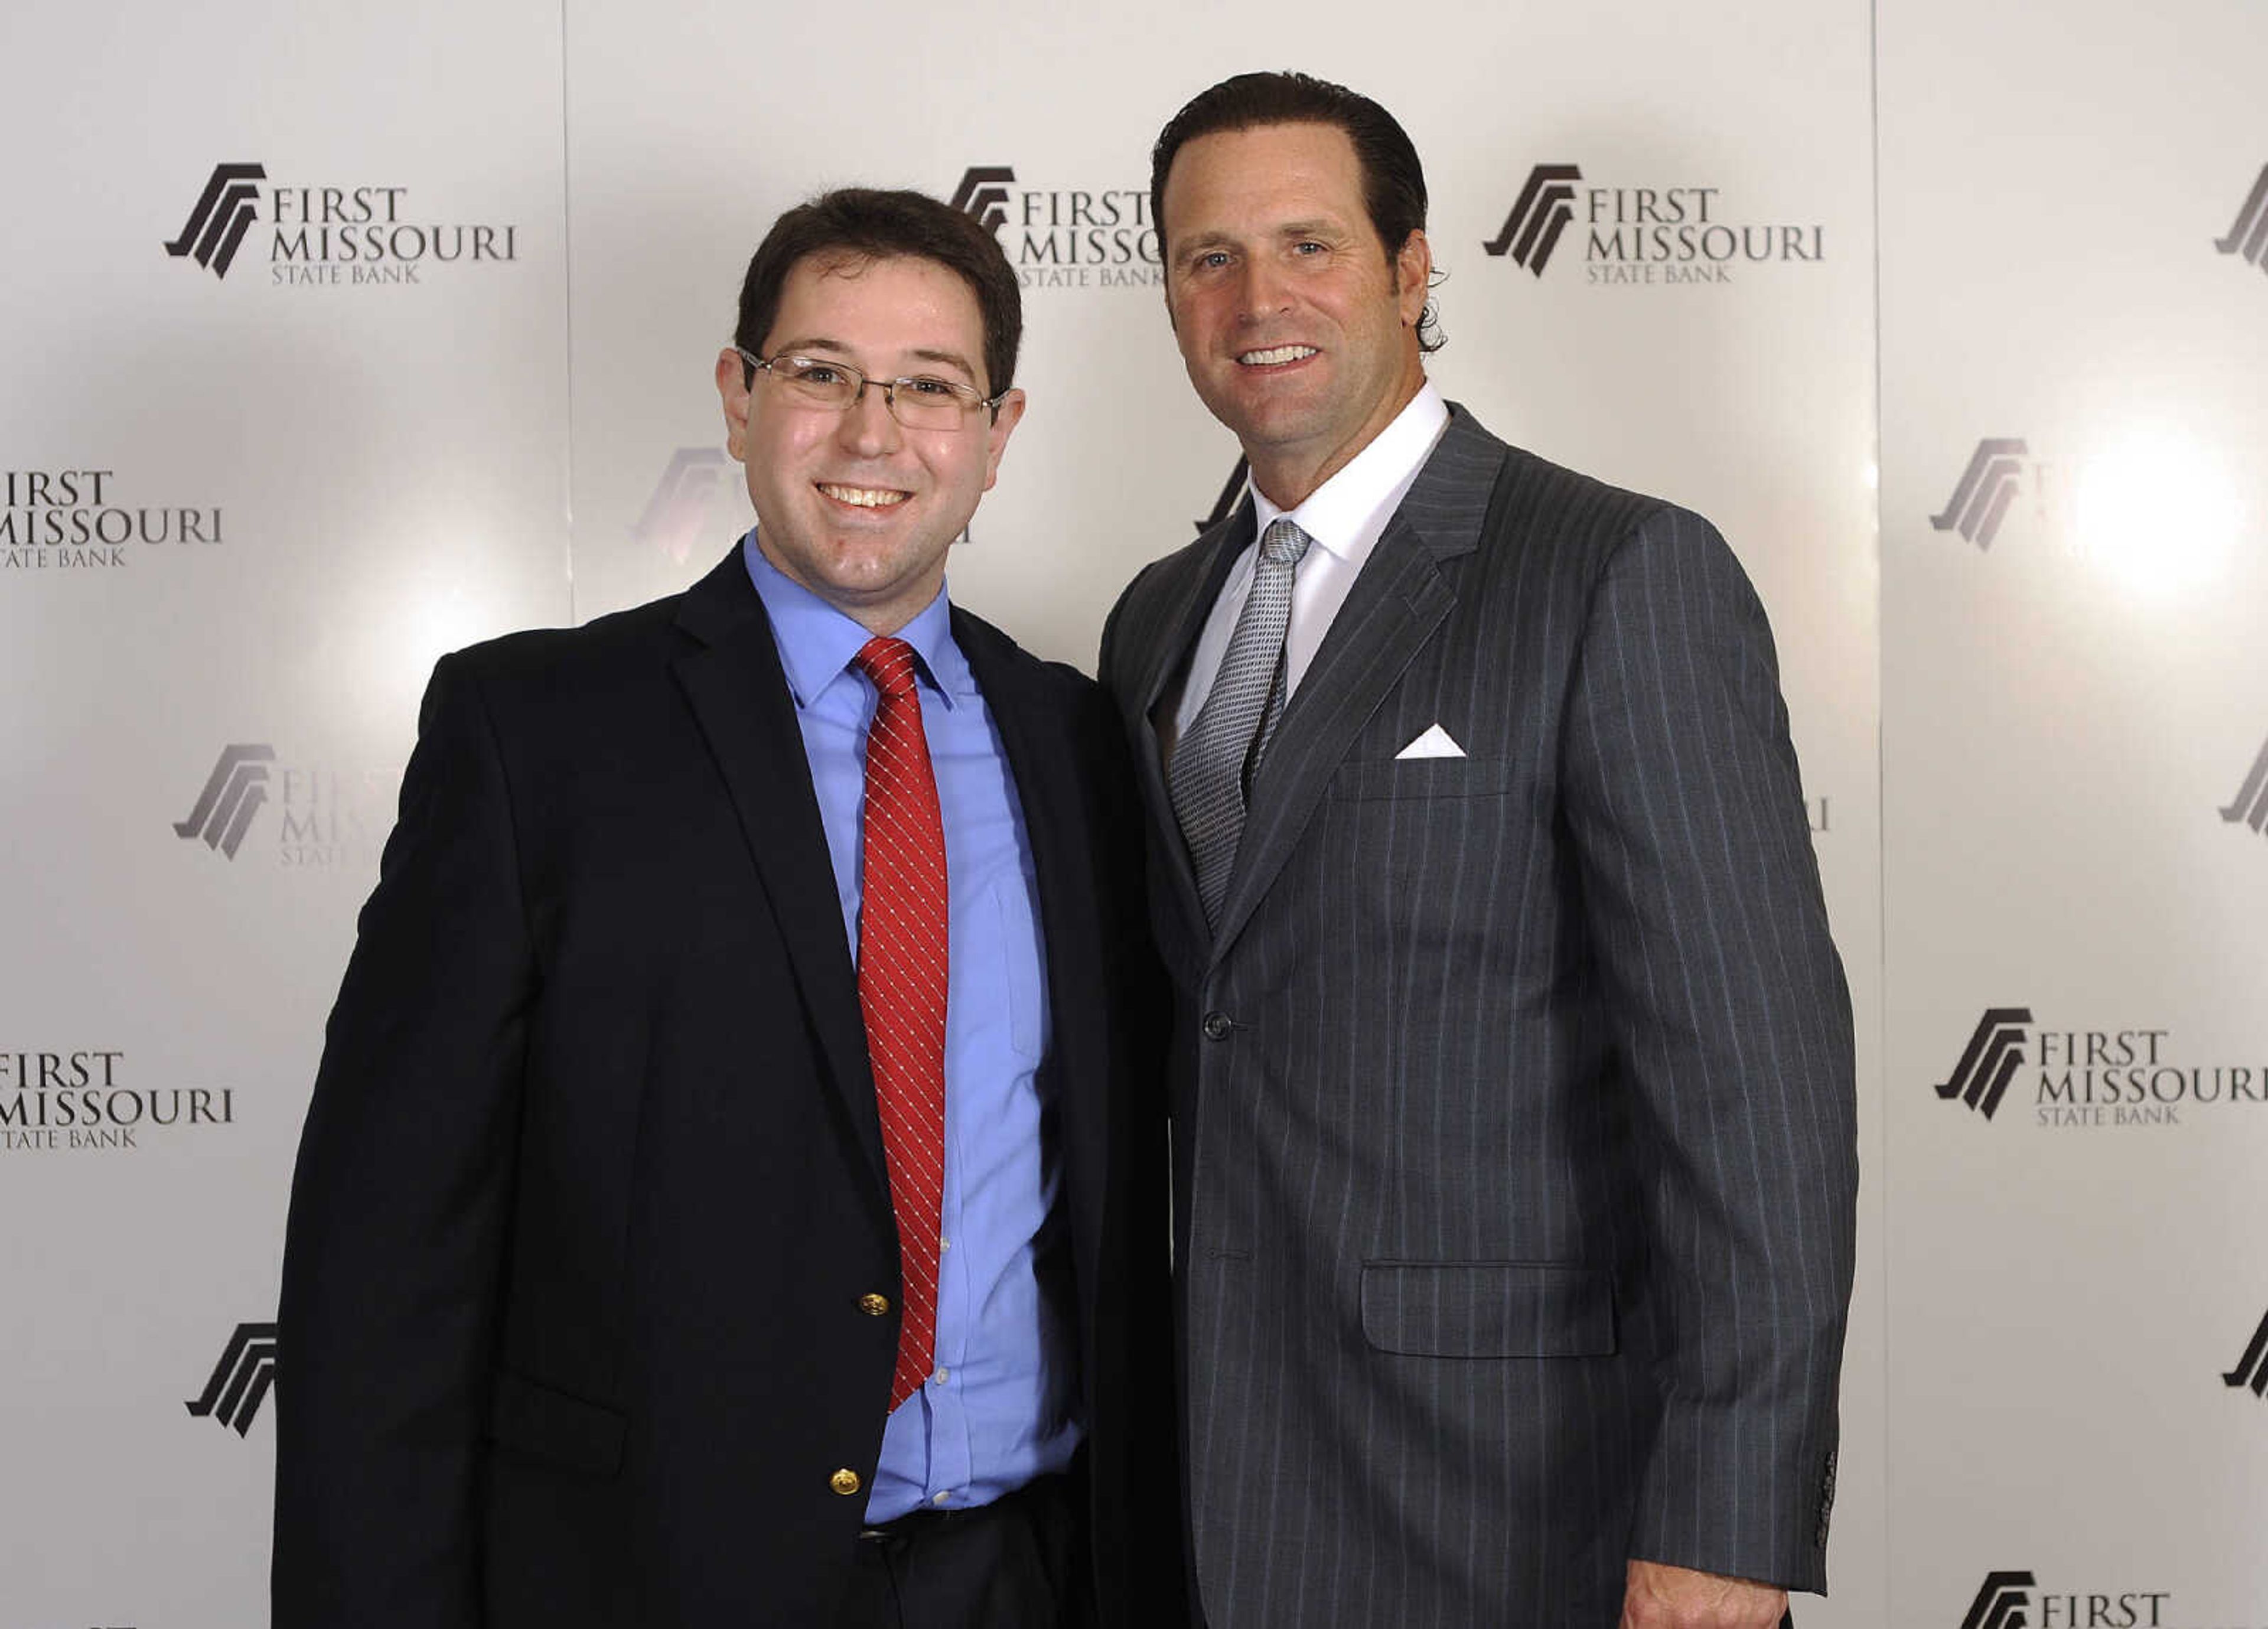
241	1380
691	504
984	193
232	794
223	213
326	818
1994	1053
2014	1599
2094	1077
2249	237
323	236
1996	473
2251	1371
2004	1601
1540	215
1064	237
1635	236
71	516
2250	807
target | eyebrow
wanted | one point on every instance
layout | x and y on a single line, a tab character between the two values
836	347
951	358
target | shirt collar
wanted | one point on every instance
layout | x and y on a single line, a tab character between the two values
1337	511
816	641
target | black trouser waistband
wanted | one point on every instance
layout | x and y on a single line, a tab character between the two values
1049	1492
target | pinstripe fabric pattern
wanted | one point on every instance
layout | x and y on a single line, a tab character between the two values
1514	1194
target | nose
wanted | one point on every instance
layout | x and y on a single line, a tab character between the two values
868	427
1263	290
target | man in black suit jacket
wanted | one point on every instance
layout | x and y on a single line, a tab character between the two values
1511	1069
593	1291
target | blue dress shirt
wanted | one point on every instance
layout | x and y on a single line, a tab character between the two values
997	1410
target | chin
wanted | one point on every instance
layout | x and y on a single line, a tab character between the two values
1281	429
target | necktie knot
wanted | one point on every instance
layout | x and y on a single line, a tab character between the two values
888	662
1284	542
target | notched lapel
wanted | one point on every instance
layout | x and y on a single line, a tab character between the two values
1205	569
1034	734
739	698
1398	600
1396	603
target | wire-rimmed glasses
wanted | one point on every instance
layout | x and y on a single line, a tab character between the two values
917	400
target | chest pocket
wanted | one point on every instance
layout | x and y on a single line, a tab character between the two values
1366	780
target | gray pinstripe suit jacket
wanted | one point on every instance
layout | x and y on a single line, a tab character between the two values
1512	1100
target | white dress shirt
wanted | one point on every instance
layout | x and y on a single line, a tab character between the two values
1344	516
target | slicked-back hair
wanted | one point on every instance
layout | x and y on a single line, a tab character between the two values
866	223
1393	180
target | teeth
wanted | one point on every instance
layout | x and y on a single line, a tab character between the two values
1282	353
864	496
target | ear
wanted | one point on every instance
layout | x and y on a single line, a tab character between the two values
1413	276
996	438
732	390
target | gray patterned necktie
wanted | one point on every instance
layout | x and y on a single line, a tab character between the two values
1214	763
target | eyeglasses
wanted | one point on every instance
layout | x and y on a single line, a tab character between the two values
921	401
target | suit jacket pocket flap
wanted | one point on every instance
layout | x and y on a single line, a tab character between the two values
1488	1309
554	1426
1422	777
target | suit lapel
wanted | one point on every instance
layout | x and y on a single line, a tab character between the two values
740	697
1399	598
1209	564
1042	756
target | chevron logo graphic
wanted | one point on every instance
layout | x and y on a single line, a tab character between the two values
2003	1602
2249	236
2251	802
679	510
1993	1055
1545	206
232	795
1986	488
984	193
1231	495
241	1380
225	211
2251	1370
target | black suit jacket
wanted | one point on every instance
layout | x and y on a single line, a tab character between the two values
592	1186
1512	1096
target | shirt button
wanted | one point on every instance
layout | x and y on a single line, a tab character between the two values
942	1375
874	1306
940	1496
844	1481
1217	1026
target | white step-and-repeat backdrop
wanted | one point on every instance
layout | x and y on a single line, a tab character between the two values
341	336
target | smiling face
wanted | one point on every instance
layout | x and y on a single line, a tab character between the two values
853	505
1297	330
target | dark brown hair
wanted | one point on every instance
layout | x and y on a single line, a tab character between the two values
864	222
1393	180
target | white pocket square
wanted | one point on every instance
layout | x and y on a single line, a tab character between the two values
1434	743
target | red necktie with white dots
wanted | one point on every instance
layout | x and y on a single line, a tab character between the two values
902	985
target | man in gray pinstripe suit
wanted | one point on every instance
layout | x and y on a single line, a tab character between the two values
1511	1092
